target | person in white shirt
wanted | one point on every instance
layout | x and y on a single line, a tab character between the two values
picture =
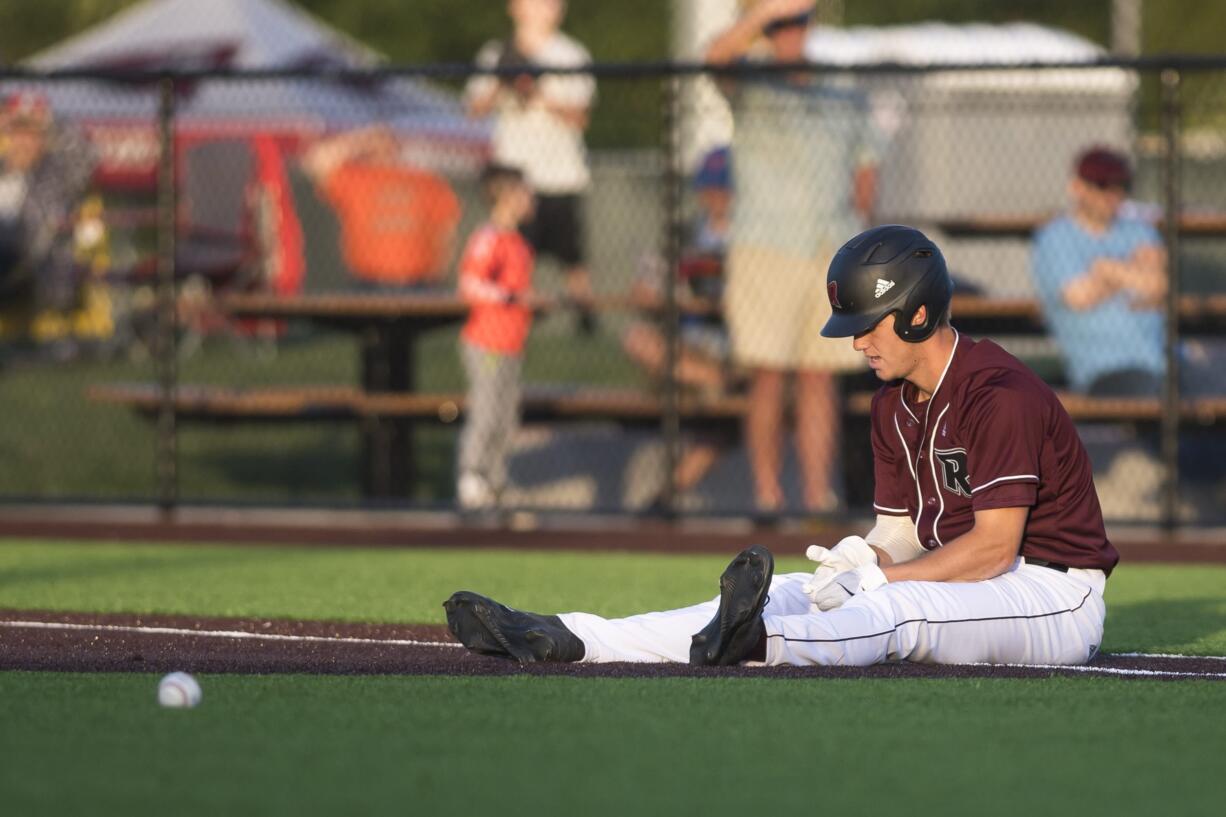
539	128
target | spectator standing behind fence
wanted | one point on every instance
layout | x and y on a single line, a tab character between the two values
703	362
1101	277
44	174
397	221
539	128
804	183
496	281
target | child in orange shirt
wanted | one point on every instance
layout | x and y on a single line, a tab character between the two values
496	280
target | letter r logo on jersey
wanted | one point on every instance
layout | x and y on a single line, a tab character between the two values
953	471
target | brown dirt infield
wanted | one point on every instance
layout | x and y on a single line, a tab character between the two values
94	642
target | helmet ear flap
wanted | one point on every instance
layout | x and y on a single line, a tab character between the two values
921	296
902	326
913	332
908	331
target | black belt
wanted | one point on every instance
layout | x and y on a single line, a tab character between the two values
1030	560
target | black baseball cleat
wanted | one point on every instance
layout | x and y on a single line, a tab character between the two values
737	628
487	627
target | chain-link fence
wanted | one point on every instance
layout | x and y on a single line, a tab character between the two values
330	288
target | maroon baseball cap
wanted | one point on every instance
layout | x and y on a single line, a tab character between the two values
1103	167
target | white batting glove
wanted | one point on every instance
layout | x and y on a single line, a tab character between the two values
864	579
848	554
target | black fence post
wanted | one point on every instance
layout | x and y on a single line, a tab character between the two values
165	349
1172	205
673	226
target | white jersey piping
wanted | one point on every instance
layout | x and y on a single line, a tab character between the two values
907	408
1003	479
919	492
919	497
944	372
932	466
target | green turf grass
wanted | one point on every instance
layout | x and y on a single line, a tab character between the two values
1152	608
294	745
272	745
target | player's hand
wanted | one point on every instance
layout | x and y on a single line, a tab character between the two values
850	553
863	579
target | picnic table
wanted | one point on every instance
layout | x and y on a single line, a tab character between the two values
387	327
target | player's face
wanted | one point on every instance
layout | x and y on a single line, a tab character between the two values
888	355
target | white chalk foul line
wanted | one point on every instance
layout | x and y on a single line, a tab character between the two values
1167	655
1146	673
120	628
401	642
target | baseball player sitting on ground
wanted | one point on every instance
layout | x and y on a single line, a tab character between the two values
988	546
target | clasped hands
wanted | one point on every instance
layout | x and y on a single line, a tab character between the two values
847	569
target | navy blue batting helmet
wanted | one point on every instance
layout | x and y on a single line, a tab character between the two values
888	269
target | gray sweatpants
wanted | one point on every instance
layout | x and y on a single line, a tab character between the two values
492	415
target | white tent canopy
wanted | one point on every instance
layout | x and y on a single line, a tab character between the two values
945	43
973	44
262	33
242	34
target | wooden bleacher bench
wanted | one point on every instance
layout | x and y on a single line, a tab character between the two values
540	404
1206	411
1025	224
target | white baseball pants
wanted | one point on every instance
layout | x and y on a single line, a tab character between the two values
1029	615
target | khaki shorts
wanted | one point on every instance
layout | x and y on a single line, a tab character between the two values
776	306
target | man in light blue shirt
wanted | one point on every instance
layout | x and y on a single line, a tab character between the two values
1102	280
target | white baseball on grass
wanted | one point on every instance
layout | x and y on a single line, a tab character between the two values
178	690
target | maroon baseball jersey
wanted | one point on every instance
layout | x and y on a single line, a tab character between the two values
993	435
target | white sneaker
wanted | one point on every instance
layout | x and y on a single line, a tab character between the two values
473	492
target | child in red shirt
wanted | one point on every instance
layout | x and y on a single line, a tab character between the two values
496	280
